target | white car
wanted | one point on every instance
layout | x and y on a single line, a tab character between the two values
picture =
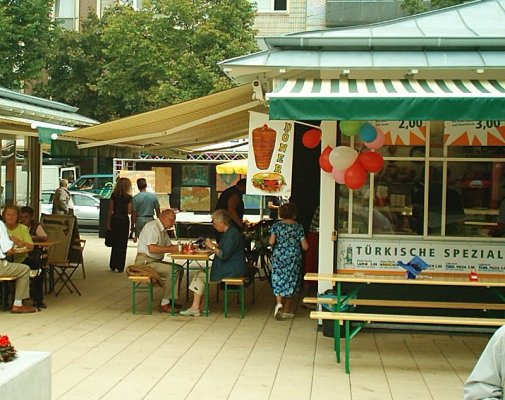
86	207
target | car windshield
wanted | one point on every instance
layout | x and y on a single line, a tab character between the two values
83	184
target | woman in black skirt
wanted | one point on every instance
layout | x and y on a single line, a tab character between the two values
119	223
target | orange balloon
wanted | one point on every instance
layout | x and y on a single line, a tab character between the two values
324	160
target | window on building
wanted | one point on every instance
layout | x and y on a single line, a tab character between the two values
65	13
451	186
271	5
136	4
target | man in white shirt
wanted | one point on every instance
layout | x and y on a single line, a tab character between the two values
487	380
20	271
153	243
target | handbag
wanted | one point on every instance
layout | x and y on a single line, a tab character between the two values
108	239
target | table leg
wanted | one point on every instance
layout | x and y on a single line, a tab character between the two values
187	281
172	297
336	325
207	288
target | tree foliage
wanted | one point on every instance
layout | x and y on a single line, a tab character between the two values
26	35
130	61
419	6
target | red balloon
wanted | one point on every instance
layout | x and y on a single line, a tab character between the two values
371	161
355	176
311	138
324	160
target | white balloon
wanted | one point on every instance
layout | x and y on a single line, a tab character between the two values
342	157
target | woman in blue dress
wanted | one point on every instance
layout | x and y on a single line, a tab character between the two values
287	239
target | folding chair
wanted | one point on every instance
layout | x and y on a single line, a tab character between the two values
65	270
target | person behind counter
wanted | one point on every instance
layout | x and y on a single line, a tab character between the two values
229	260
231	201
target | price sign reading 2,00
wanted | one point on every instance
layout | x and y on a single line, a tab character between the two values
410	124
487	124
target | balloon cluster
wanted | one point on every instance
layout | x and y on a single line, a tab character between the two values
347	165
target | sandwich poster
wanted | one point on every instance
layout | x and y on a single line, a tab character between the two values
270	158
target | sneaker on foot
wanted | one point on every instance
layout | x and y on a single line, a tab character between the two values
190	313
288	315
278	312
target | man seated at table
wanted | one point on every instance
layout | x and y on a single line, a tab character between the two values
229	260
20	271
153	243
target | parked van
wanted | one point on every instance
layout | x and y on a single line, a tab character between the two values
100	184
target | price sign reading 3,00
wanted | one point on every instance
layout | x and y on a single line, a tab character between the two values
487	124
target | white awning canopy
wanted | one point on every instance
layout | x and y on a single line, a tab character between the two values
211	119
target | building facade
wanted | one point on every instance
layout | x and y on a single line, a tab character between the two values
274	17
433	84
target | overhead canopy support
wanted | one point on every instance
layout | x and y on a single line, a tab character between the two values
405	99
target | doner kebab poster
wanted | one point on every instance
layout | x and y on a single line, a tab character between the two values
270	157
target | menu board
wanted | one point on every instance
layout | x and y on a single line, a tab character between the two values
63	230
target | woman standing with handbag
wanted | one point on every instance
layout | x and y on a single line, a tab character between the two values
118	223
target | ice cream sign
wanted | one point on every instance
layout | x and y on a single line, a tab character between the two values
270	156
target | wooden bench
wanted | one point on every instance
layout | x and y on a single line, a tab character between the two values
407	303
138	283
364	318
237	285
5	281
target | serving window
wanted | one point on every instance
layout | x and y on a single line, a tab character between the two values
450	186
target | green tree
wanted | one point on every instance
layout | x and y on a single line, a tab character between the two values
418	6
26	35
134	61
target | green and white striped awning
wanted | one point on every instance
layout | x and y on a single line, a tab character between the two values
386	99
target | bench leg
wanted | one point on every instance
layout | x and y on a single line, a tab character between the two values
150	298
3	285
134	300
336	339
253	290
347	346
226	300
242	301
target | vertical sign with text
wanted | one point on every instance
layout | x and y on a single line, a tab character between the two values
270	156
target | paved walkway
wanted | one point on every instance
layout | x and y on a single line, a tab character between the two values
101	351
